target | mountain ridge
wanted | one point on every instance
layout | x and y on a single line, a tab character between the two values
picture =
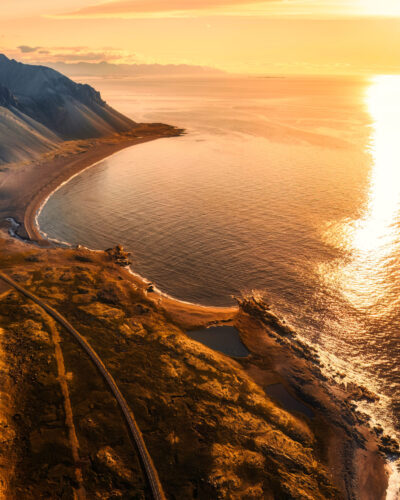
104	68
40	107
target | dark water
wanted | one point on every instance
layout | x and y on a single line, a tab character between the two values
290	186
225	339
288	402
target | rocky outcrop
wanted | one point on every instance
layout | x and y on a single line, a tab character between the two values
119	256
7	99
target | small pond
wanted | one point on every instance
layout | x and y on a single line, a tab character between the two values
225	339
287	401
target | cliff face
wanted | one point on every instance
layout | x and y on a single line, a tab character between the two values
40	107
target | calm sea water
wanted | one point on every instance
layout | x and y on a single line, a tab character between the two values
290	186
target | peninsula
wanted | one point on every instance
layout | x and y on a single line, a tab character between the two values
208	424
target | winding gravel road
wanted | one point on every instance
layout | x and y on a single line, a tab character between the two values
147	463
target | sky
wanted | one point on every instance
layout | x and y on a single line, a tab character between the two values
239	36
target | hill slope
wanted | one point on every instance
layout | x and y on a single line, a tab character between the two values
211	431
40	107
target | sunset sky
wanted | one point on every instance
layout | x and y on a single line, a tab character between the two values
263	37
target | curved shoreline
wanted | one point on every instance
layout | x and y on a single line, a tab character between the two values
73	164
50	175
59	170
347	445
32	214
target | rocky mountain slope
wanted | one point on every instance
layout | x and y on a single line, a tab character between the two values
40	108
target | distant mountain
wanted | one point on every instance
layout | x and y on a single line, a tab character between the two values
108	69
40	107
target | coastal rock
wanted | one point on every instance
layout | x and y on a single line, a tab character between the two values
280	331
119	256
361	393
389	445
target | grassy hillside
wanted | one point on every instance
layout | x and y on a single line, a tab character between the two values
212	431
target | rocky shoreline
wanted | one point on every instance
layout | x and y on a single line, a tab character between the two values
354	453
365	448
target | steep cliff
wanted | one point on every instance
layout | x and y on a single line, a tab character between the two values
40	107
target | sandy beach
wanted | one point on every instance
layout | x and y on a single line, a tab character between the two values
347	445
24	187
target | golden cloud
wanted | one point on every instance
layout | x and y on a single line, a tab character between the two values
189	8
154	8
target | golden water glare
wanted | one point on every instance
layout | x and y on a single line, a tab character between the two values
372	242
376	231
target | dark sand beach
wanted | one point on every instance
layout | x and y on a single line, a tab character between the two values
24	187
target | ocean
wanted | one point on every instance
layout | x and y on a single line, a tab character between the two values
287	186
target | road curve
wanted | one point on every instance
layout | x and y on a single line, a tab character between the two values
147	462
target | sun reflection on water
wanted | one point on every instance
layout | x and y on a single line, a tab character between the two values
376	232
367	276
372	242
